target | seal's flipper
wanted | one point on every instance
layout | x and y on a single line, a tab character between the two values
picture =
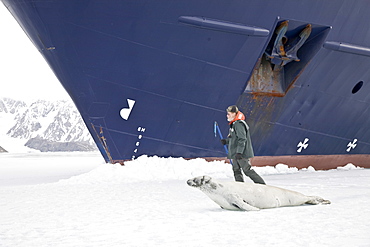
243	205
317	200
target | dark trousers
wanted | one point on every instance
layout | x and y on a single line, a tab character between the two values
245	165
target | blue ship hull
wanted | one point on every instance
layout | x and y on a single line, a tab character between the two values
152	77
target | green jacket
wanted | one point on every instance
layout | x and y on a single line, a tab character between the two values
239	140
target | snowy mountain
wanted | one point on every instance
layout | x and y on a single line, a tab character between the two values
2	150
44	125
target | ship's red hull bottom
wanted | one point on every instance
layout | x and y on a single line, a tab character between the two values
319	162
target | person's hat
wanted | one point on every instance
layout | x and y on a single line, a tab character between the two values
232	108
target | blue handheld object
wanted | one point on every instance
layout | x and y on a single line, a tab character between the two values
217	129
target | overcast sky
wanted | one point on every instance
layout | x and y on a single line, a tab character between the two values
24	74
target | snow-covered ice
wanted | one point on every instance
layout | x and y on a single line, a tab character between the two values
74	199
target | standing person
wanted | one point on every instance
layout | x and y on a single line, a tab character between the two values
240	146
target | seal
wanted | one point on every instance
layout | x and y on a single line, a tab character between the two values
249	196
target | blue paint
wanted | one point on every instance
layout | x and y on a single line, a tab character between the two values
183	76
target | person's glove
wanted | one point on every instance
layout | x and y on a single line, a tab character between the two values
223	141
238	156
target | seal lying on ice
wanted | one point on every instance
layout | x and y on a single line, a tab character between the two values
249	196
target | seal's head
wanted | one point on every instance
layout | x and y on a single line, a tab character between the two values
204	183
199	181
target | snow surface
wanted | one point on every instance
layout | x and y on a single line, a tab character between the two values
74	199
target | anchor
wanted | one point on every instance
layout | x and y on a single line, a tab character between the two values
283	52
